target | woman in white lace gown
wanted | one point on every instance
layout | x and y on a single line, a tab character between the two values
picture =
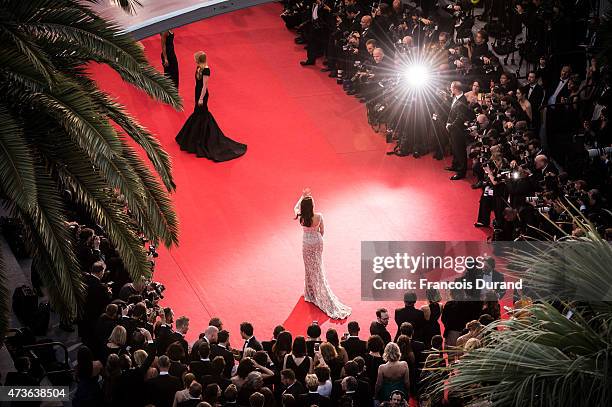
316	287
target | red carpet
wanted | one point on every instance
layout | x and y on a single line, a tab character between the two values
240	249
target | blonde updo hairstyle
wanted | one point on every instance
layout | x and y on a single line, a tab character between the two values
200	57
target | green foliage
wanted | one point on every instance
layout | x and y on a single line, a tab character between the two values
59	130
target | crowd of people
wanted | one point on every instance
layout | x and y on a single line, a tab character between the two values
535	145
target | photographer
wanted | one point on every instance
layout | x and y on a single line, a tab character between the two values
318	31
496	168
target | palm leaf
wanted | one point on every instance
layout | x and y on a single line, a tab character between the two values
17	179
5	310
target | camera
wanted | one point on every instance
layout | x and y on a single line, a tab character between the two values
463	41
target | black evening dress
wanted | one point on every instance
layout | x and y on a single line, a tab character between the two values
201	134
172	69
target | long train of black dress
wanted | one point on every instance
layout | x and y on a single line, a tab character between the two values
172	69
201	134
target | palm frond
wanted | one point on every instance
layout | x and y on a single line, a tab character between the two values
17	179
5	310
157	203
46	230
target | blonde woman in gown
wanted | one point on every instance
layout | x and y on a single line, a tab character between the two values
316	287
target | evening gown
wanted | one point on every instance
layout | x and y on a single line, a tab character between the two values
316	287
172	70
201	134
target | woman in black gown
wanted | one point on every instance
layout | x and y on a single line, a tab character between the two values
200	133
168	57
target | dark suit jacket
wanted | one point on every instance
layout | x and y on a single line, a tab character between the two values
376	328
219	380
536	98
295	389
177	369
564	93
178	337
308	399
189	403
217	350
200	368
412	315
363	393
458	115
98	297
160	390
253	343
354	347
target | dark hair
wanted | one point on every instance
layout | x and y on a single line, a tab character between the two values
323	373
261	357
407	329
288	374
218	365
375	344
282	344
299	347
313	331
247	328
353	327
277	330
163	361
483	34
437	341
406	350
306	211
245	367
216	322
332	337
351	368
175	351
360	362
222	336
204	350
380	311
211	393
22	364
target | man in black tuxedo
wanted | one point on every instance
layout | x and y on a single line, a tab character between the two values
557	93
160	390
203	366
104	326
351	368
410	314
534	92
379	327
221	348
290	384
353	345
312	397
318	31
246	332
195	396
98	296
455	125
209	336
164	330
182	326
134	320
